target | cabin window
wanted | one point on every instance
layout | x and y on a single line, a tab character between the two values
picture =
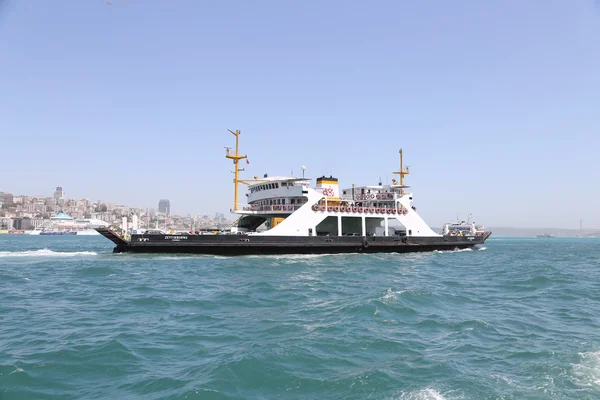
362	191
410	232
344	192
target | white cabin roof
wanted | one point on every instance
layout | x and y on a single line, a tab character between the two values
270	179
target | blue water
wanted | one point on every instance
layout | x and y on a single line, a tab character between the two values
516	319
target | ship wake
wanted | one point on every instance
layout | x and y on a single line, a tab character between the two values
46	253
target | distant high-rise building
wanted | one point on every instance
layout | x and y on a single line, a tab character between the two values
164	207
58	193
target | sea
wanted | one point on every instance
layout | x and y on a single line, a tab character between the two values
516	318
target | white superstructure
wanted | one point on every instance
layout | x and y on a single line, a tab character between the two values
290	206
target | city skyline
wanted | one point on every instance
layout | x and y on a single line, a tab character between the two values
26	212
494	104
58	199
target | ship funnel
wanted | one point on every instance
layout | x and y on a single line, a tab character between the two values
328	186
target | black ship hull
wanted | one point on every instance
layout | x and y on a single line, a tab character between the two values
236	245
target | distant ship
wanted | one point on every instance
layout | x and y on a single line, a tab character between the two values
299	218
545	235
63	224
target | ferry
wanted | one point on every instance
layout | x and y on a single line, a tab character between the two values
287	215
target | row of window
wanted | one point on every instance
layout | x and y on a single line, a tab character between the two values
269	186
271	202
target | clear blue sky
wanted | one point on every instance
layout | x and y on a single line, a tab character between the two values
496	103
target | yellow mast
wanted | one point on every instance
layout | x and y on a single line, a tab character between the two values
403	171
236	158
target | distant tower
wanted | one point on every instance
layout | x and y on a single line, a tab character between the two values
58	193
164	207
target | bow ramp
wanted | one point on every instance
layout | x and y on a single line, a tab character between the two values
113	237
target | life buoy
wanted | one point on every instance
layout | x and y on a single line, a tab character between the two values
322	208
389	211
315	207
394	211
372	210
365	243
377	210
390	196
405	211
379	196
354	209
329	208
343	209
337	208
289	207
360	209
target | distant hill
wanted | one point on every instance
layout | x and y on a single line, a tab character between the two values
532	232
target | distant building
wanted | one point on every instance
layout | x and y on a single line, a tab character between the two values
22	224
164	207
8	198
59	193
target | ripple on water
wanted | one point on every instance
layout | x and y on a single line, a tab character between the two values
518	320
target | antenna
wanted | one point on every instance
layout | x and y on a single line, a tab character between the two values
402	171
235	158
303	168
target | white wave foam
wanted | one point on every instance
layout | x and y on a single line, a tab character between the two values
481	248
16	371
453	251
391	294
587	372
45	253
285	257
423	394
